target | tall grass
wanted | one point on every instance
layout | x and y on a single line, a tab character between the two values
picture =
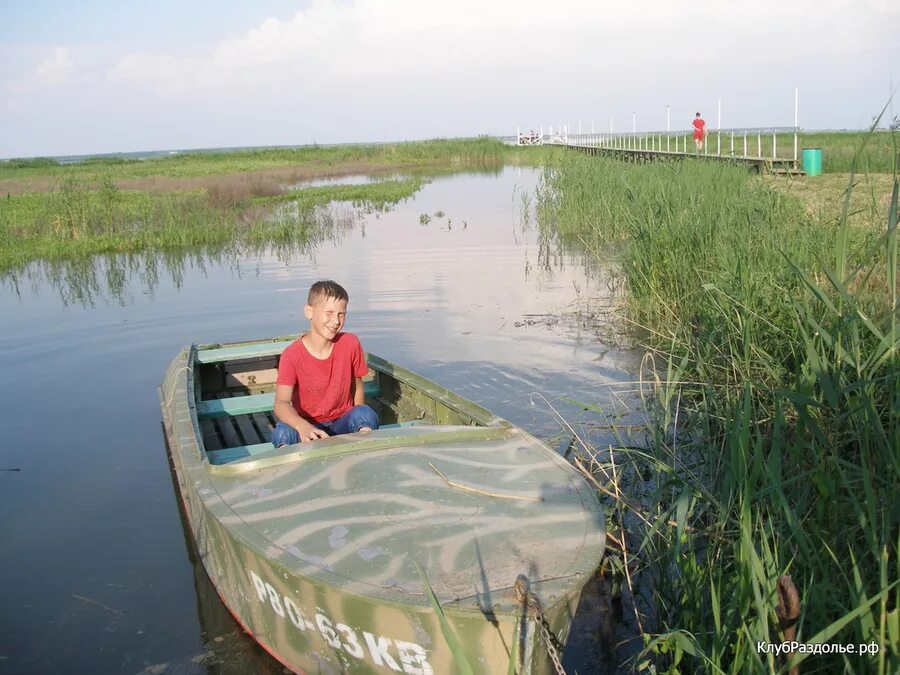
210	199
459	153
78	219
842	152
775	447
840	149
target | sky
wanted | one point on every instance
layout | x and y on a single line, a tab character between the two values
100	76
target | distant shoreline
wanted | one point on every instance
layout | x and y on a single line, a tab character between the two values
151	154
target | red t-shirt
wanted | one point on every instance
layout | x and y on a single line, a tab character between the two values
322	386
699	128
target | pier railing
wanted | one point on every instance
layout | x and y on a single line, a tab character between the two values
773	143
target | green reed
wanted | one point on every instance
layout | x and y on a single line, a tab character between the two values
79	219
461	153
376	196
213	199
775	443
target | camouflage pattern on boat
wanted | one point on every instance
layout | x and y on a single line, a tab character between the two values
316	549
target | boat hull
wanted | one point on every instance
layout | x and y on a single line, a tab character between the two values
322	622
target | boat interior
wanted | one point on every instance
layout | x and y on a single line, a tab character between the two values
234	388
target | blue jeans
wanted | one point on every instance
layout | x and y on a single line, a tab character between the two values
353	420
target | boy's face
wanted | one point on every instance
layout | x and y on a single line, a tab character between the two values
326	316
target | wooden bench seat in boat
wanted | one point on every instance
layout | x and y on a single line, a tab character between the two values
255	403
241	426
227	455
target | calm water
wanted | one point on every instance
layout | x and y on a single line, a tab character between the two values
97	575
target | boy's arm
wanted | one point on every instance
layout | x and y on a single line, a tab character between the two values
359	391
284	412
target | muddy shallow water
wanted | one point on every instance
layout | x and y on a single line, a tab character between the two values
98	575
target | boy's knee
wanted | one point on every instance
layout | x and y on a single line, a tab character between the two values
363	416
283	434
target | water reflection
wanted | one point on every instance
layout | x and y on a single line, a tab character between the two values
297	234
475	300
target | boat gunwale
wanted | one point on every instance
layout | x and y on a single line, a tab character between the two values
276	346
364	442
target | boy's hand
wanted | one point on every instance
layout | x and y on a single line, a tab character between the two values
311	433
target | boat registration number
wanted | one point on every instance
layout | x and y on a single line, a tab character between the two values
398	655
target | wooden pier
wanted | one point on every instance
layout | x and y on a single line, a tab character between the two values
783	166
773	150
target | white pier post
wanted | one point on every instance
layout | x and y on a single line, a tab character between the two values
796	119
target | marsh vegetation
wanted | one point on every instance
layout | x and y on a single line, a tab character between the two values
773	386
767	309
210	201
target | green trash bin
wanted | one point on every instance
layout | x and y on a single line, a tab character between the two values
812	161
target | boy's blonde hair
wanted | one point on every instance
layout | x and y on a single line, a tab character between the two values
322	290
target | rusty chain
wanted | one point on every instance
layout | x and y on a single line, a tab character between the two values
551	642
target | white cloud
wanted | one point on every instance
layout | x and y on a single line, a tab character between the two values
58	68
55	69
358	70
344	43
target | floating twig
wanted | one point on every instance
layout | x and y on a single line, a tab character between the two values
99	604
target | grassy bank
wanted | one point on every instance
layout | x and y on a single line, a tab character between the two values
866	196
839	148
874	152
77	220
308	162
210	200
775	443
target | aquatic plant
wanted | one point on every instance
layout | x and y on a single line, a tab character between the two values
196	199
773	388
78	220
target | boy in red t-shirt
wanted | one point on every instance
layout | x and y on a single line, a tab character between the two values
319	391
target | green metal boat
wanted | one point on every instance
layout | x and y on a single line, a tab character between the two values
325	551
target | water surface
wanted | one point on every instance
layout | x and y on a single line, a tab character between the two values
97	572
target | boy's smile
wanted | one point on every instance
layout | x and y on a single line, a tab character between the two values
326	318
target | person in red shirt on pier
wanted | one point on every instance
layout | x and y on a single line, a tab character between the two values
700	132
